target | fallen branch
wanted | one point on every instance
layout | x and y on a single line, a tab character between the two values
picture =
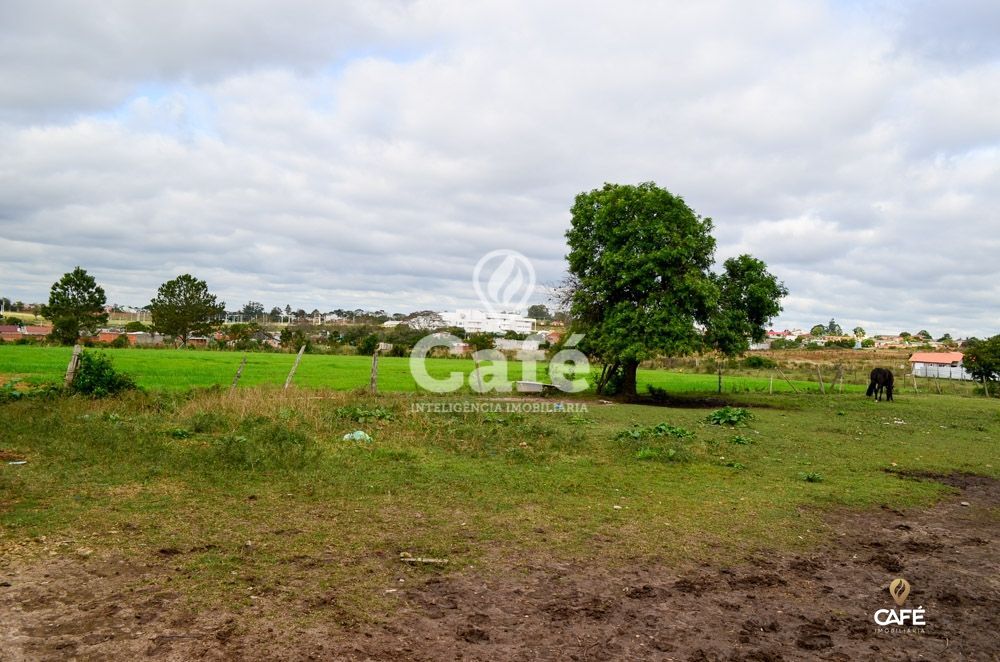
405	557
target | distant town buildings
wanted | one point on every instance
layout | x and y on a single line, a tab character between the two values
479	321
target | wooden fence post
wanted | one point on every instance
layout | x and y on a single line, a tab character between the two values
373	383
822	389
291	374
74	363
239	373
770	385
479	376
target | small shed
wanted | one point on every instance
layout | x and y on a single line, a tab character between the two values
944	365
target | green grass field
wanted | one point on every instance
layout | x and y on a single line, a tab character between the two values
179	369
259	492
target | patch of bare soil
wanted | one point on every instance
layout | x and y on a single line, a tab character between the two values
770	607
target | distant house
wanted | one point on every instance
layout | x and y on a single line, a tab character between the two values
509	345
36	331
144	339
10	332
886	342
945	365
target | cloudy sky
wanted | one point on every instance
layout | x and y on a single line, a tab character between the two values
360	154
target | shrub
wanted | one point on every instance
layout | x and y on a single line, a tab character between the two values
759	362
731	416
96	376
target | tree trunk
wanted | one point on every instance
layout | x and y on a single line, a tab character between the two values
720	378
629	369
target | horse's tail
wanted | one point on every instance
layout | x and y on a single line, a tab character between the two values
871	389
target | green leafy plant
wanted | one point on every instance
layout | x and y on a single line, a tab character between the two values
96	376
740	440
731	416
811	477
658	430
362	414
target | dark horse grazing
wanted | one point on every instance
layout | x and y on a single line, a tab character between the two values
881	380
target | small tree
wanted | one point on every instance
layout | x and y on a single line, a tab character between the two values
539	311
76	303
252	310
923	334
859	332
749	297
982	359
817	330
184	307
833	329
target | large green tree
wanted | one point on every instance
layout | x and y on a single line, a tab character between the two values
184	307
640	283
76	304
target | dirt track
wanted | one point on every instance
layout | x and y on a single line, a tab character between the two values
770	607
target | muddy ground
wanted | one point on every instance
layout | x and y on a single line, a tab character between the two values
769	607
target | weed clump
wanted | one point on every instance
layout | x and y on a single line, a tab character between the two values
362	414
263	446
657	443
731	416
659	430
811	477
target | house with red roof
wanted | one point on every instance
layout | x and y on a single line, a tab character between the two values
943	365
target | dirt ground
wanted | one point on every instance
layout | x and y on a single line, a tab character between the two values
769	607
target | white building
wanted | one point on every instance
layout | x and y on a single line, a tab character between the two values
478	321
944	365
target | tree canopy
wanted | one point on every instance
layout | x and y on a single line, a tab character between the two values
539	311
640	283
749	297
818	330
76	303
982	358
184	307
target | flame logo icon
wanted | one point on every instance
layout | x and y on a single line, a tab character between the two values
899	589
509	283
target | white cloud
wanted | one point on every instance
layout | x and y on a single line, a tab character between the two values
325	156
